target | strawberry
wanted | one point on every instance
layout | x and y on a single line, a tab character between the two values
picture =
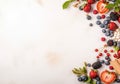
119	19
108	77
118	52
112	26
87	8
91	1
93	74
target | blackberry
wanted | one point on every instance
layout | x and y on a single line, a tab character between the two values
110	42
114	16
96	65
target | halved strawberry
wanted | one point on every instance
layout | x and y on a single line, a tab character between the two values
108	77
101	7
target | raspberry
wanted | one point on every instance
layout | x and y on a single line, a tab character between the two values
95	12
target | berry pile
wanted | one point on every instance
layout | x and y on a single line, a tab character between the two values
107	13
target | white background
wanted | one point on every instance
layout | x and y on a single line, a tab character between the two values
40	43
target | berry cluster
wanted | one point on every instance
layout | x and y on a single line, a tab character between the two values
109	55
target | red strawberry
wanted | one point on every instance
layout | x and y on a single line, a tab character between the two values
91	1
93	74
118	52
112	26
119	19
87	8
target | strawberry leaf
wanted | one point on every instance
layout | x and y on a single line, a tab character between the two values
110	6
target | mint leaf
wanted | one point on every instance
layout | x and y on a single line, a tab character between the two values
66	4
110	6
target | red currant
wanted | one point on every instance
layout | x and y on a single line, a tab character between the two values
111	51
103	39
97	57
103	16
100	54
96	50
105	51
108	54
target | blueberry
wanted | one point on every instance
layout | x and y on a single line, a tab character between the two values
84	78
106	57
118	80
118	44
98	22
105	22
107	63
102	25
89	17
98	82
103	30
80	79
98	17
89	65
108	18
97	78
80	8
90	24
111	35
107	34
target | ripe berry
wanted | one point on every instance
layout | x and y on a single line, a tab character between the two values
111	67
108	54
119	19
87	8
95	12
110	42
90	1
114	16
100	54
89	17
115	55
96	50
103	39
105	51
97	57
111	51
103	16
112	26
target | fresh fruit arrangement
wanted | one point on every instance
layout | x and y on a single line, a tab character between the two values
107	13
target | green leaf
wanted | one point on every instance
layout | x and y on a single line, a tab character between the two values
71	0
116	48
117	9
110	6
66	4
